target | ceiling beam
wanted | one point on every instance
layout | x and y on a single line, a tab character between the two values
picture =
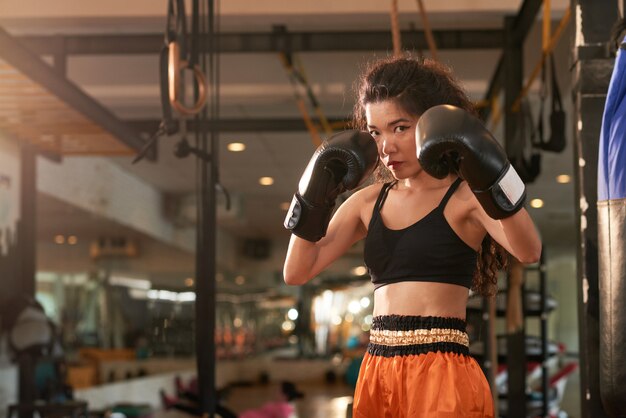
274	41
31	66
150	126
525	18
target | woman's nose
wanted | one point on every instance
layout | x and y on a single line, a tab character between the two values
388	145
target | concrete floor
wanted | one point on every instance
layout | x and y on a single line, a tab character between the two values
322	400
571	397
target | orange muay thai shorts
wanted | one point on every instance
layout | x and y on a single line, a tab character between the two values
420	367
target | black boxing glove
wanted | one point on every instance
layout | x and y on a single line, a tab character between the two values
341	163
449	138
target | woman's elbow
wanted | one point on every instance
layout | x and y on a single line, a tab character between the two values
294	278
290	280
532	256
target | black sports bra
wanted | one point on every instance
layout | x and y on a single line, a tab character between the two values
427	251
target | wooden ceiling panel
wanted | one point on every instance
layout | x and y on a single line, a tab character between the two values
43	108
29	112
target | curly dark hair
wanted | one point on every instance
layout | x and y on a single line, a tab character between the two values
416	85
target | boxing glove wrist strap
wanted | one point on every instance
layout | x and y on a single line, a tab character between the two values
505	197
512	186
308	221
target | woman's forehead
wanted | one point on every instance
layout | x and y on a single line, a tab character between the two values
381	113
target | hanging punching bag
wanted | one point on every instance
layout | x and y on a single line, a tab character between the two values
612	242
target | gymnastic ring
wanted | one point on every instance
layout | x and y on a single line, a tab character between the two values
175	65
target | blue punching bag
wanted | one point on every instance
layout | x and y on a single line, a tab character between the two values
611	245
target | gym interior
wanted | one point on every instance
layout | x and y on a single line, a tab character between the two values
149	152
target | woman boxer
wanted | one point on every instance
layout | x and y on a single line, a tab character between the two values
429	234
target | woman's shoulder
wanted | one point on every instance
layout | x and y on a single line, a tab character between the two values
464	201
464	193
362	201
368	193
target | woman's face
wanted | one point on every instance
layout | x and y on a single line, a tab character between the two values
394	131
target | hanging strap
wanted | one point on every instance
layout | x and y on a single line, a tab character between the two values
539	139
194	52
395	29
430	39
176	25
524	157
175	35
557	104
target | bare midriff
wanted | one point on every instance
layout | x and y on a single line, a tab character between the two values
421	299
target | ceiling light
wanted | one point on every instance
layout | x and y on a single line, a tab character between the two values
189	282
292	314
131	282
266	181
186	297
171	296
72	240
563	178
536	203
288	326
236	147
354	307
285	205
141	294
240	280
359	270
59	239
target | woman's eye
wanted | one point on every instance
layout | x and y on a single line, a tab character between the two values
374	133
399	129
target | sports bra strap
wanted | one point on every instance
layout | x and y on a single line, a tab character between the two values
383	195
450	191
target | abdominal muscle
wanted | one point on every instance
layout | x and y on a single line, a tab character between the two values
421	299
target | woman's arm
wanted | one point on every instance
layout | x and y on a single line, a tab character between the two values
306	259
517	234
482	162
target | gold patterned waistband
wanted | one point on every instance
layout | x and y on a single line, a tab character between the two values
418	336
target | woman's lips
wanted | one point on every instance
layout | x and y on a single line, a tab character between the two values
393	164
